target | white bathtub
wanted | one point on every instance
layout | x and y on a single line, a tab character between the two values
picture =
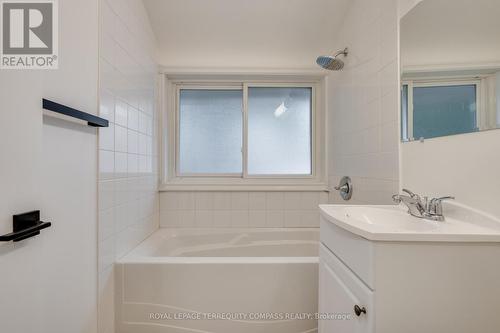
220	281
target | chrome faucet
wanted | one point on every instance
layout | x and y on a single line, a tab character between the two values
422	207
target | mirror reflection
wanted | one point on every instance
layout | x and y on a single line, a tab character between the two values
450	68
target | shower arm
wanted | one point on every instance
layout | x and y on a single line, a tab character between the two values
344	52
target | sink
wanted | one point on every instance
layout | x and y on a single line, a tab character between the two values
393	223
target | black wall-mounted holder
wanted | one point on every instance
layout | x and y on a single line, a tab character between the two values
91	120
25	225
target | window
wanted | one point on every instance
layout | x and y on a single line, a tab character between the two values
441	108
210	131
279	131
248	132
404	113
244	131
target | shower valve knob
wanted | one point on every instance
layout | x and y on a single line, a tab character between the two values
359	310
345	188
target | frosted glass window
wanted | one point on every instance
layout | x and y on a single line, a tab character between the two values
444	110
404	113
210	125
279	131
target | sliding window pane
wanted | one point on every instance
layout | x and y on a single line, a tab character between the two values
444	110
210	128
279	131
404	113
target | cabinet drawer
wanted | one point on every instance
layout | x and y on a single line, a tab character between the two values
339	292
355	251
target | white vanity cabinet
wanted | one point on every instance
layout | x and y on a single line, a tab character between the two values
340	288
340	292
406	286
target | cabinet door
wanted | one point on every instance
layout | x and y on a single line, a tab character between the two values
339	292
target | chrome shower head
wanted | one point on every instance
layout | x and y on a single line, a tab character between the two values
332	63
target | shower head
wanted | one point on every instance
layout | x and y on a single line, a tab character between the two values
332	63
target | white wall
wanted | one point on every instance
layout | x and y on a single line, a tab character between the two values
406	5
465	166
241	209
244	34
48	283
363	104
455	44
128	154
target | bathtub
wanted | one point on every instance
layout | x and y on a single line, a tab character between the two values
219	281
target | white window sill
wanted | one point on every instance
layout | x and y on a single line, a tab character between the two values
313	187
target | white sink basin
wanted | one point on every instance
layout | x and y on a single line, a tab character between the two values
393	223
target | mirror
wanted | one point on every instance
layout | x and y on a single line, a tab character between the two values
450	68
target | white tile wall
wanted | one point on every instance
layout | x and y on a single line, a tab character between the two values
240	209
128	180
363	104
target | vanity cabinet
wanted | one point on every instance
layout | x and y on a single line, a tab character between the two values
340	292
404	286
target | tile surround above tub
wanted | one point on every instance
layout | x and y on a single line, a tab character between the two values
364	130
128	154
240	209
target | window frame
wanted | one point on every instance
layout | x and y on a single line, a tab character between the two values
173	180
446	82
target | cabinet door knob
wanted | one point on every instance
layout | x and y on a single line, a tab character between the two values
358	311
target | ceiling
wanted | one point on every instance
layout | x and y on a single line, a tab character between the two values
277	34
448	33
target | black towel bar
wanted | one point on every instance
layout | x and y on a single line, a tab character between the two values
91	120
25	225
